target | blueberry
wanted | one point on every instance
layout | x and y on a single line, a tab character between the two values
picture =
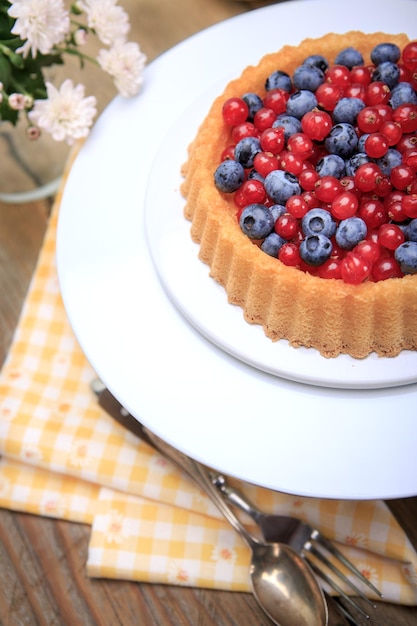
318	222
307	77
254	103
277	210
289	123
355	161
279	80
361	142
281	185
317	60
272	244
350	232
411	230
347	109
300	102
229	176
349	57
331	165
402	93
342	140
406	255
254	175
246	149
256	221
385	52
315	249
388	73
391	159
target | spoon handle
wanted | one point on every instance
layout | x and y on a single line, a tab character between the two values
236	498
202	478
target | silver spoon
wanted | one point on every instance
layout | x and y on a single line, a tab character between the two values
281	580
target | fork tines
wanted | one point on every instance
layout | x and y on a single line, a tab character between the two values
318	541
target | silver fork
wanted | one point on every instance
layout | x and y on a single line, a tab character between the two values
299	535
305	540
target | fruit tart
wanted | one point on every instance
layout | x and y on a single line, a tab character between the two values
301	189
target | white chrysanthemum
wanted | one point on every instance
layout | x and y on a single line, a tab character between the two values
108	20
125	63
40	23
65	114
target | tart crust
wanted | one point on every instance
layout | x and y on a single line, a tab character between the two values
326	314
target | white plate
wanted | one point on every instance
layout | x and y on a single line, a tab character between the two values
281	434
204	302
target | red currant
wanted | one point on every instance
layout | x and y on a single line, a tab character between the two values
354	268
264	118
366	176
308	179
276	99
410	158
316	124
344	205
265	162
355	90
372	212
235	111
300	144
328	95
407	142
327	188
361	74
377	92
228	153
406	116
290	162
384	268
376	145
390	236
392	131
286	226
338	75
330	269
273	140
246	129
369	119
289	254
368	250
297	206
401	176
409	55
250	192
396	212
410	205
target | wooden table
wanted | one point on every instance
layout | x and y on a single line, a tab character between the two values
42	561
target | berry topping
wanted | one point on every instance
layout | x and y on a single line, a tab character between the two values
323	164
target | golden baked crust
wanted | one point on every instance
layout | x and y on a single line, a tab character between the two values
326	314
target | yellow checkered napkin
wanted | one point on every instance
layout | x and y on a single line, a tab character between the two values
63	456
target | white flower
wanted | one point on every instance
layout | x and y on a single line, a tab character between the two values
65	114
125	63
42	23
108	20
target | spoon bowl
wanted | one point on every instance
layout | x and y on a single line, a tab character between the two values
285	589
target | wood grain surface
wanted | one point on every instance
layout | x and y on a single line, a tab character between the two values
42	561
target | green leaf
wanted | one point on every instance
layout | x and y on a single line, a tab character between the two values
5	70
8	114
